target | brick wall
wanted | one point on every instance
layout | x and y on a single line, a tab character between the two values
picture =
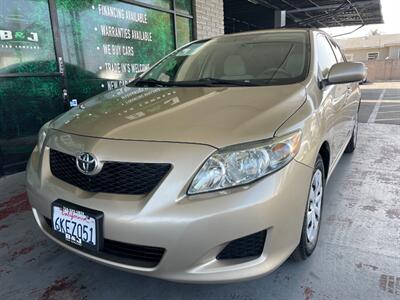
210	18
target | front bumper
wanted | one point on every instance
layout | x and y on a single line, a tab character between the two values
194	229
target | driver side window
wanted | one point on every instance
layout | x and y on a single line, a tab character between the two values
326	57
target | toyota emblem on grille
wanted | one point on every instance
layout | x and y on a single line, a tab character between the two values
88	164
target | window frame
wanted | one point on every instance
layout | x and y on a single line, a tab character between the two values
327	38
375	52
57	38
335	45
172	11
57	51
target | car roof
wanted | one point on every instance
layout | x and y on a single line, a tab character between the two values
266	31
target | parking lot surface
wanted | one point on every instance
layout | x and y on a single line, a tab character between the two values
381	103
358	256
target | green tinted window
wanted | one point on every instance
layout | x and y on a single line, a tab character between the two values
184	30
26	39
105	44
26	103
184	6
159	3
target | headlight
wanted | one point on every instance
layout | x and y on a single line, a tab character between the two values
243	164
42	135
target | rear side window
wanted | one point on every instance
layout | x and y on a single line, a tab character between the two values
326	57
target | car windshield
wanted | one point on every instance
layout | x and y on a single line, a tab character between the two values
237	60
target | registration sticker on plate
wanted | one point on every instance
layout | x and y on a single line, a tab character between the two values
75	225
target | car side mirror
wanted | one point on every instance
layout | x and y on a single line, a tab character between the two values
346	72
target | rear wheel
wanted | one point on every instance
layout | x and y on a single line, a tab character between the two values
312	216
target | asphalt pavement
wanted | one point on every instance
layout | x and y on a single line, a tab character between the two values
380	103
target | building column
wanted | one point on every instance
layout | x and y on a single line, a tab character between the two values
279	18
209	18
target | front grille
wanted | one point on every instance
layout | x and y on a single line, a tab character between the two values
115	177
148	254
137	255
245	247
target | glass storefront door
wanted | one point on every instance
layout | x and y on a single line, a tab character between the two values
30	82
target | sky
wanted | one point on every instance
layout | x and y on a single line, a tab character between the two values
391	18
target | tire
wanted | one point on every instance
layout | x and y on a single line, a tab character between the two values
351	146
311	226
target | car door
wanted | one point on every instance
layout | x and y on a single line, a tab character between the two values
333	97
350	110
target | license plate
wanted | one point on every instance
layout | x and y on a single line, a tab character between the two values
77	225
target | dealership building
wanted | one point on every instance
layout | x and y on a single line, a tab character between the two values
55	54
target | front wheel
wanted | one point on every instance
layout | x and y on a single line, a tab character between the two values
313	212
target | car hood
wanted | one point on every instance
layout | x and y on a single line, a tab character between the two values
217	116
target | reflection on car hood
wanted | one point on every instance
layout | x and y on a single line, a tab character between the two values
217	116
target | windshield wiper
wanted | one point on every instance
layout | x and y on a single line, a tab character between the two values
151	82
209	81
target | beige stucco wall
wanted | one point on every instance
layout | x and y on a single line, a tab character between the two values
383	70
394	52
387	66
362	54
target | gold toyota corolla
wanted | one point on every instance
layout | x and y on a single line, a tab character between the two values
209	167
